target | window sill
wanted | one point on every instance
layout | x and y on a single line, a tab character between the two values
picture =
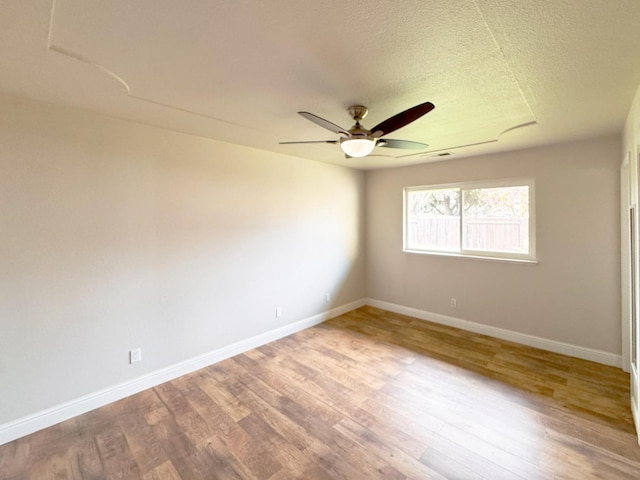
522	261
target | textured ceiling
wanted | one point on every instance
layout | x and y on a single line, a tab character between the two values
503	74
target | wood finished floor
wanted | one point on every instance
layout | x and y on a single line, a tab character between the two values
367	395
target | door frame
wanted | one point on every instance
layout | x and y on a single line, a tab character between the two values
630	277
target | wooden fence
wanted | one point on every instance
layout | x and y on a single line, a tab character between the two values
483	234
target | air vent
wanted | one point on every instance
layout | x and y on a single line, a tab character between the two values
437	155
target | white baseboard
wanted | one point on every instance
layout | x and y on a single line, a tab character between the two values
591	354
51	416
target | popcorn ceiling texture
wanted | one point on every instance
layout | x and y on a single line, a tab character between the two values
239	71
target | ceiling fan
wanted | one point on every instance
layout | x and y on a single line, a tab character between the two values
360	142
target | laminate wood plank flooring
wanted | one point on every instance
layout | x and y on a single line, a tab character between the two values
368	395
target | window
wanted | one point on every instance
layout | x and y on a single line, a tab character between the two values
488	219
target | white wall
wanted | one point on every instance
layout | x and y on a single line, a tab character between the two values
572	295
116	235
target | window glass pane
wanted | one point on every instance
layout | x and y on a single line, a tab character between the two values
496	219
433	220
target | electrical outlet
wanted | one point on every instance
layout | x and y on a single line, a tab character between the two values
327	297
454	303
278	312
135	355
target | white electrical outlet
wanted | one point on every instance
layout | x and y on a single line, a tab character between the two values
278	312
327	297
135	355
454	303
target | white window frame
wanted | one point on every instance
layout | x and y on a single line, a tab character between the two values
499	256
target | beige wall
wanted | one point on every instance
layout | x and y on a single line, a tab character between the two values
571	295
117	235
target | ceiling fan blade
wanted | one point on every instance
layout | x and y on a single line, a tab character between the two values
403	118
332	127
333	142
406	144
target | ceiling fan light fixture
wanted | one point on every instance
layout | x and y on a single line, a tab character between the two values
358	146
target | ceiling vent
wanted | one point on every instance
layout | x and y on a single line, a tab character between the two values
437	155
